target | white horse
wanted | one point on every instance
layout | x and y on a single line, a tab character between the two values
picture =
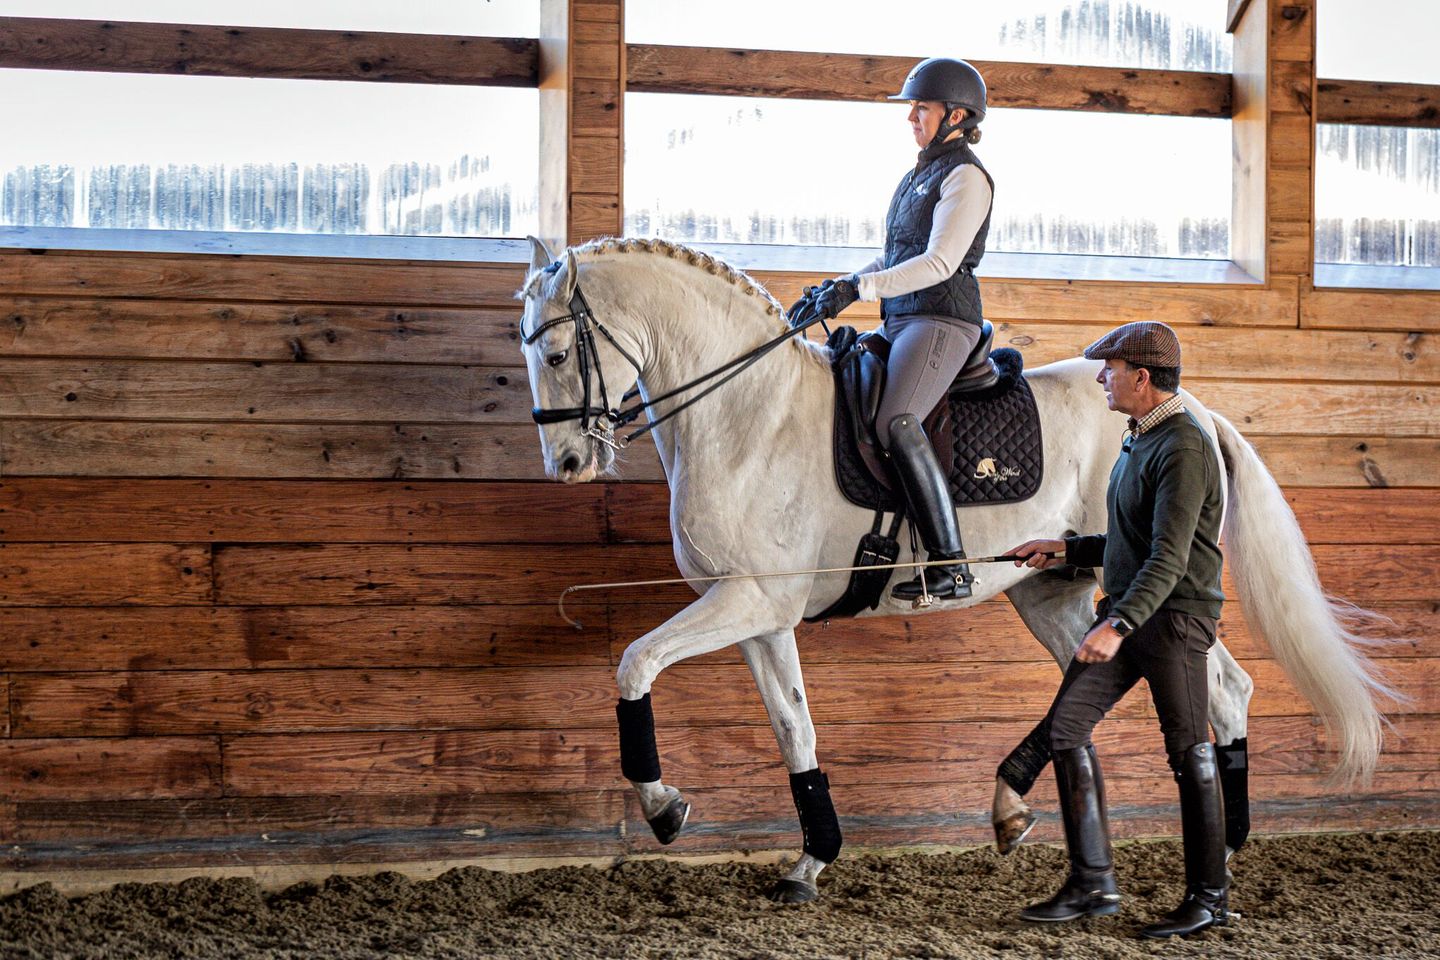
751	477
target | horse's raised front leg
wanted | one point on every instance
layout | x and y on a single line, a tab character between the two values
775	663
726	614
1230	689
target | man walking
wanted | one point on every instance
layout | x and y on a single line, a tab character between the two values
1161	558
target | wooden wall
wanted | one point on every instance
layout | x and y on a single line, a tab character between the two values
277	563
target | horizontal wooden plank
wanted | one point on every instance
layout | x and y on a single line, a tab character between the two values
994	631
1324	409
289	511
118	448
838	76
423	573
131	768
1412	744
1376	515
1414	312
424	394
1377	104
431	451
345	764
104	573
136	833
462	573
240	638
1103	302
239	279
528	814
1340	461
1251	353
257	391
275	701
640	513
188	330
294	701
221	51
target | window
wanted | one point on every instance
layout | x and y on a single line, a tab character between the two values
730	170
1377	188
282	156
184	158
1171	34
734	170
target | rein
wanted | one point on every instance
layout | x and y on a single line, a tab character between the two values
586	324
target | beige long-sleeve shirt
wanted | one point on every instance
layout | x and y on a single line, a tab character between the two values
959	213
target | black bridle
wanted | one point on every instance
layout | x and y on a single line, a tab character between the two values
606	418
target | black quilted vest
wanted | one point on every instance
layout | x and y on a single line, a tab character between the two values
907	234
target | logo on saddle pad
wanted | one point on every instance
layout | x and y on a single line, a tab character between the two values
988	469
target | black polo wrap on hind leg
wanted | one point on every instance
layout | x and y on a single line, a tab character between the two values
639	760
1025	763
818	823
1234	766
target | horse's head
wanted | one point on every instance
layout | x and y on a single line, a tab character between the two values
578	373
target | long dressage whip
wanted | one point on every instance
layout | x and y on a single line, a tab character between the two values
914	565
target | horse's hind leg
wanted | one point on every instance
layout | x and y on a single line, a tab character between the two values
726	614
775	664
1230	689
1057	609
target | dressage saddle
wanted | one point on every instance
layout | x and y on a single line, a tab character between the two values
986	430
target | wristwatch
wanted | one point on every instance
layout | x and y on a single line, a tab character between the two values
1122	626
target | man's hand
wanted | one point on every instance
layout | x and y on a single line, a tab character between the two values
1031	553
1100	644
835	295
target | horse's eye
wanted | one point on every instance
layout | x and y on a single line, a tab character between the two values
555	359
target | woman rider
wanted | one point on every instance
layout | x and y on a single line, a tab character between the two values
925	281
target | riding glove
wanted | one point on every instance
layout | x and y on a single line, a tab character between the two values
835	295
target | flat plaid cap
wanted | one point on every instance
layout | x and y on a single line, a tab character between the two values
1148	343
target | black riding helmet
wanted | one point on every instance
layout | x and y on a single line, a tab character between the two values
953	82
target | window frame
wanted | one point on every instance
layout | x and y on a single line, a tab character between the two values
177	49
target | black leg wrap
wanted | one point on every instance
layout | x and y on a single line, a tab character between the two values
1235	787
639	760
1026	762
818	823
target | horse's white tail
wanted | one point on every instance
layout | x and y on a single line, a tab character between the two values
1313	636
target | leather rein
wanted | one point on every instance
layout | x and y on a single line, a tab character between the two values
600	422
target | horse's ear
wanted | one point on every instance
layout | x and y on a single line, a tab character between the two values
572	276
540	256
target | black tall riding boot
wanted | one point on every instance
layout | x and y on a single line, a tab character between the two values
1090	890
931	510
1202	822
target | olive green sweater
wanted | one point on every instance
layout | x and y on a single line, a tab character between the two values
1162	545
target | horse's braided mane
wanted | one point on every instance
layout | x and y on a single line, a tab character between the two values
676	251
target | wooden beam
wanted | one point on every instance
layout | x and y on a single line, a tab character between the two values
1378	104
249	638
274	52
1249	131
57	509
857	77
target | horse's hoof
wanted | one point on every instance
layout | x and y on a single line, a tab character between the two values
668	823
793	891
1010	832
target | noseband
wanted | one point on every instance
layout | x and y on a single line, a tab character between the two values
606	418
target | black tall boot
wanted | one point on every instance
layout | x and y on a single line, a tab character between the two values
1202	822
931	510
1090	890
